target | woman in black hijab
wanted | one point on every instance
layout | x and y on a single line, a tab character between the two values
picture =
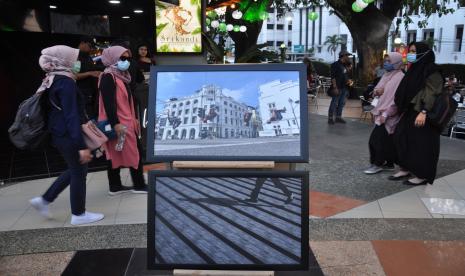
416	140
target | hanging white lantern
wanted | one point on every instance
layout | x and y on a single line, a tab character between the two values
243	29
207	28
289	16
215	24
229	27
361	4
237	14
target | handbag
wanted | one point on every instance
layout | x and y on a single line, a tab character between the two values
93	137
332	92
105	127
443	110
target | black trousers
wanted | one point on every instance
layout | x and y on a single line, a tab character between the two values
381	145
276	182
137	175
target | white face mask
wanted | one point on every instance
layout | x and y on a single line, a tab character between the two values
123	65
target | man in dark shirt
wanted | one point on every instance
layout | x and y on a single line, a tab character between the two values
339	79
88	76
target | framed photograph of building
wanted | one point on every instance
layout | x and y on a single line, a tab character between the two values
250	112
178	26
227	220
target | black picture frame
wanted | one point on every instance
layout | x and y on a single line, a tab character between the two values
151	252
304	144
202	26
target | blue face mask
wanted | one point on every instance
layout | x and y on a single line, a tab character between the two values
388	67
123	65
411	57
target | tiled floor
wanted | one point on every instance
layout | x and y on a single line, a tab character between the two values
444	199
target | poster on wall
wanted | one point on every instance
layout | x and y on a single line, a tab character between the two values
228	220
178	26
228	112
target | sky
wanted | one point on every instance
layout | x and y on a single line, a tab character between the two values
241	85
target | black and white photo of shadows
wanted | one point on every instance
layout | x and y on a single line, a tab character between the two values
228	221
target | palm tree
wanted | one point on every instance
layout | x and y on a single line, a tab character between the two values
333	43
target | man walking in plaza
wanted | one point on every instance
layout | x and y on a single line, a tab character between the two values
339	80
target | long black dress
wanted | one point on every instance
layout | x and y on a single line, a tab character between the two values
417	147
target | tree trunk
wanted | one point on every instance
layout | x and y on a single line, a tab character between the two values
370	30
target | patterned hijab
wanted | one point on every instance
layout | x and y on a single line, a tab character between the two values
110	58
57	60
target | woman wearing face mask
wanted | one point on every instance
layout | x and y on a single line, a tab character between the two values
116	105
381	144
416	140
65	116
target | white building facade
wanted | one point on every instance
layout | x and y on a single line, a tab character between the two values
304	34
281	97
228	123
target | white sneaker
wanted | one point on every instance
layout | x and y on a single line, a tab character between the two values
85	218
41	206
373	169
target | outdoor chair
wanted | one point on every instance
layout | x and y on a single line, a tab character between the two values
312	93
458	126
366	110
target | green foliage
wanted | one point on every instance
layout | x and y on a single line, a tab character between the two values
322	68
160	28
197	31
197	48
213	48
256	54
333	43
254	11
163	49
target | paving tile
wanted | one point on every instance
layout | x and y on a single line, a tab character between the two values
9	218
370	210
387	214
456	179
133	208
347	258
14	203
35	264
421	257
460	189
438	190
406	201
33	220
445	206
326	205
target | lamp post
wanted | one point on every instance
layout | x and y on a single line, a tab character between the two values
291	102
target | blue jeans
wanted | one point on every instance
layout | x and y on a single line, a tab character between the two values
74	176
337	104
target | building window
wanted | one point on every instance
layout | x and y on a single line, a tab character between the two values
428	34
293	122
196	101
270	26
269	43
278	43
231	112
225	120
194	110
280	26
232	122
186	111
174	106
186	120
271	105
225	103
289	27
173	114
179	112
288	123
411	36
458	38
188	103
194	120
181	104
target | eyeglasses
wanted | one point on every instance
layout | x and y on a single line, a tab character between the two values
123	58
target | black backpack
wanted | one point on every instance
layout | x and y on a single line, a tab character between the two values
443	110
29	130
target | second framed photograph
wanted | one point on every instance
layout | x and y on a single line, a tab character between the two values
228	112
240	220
